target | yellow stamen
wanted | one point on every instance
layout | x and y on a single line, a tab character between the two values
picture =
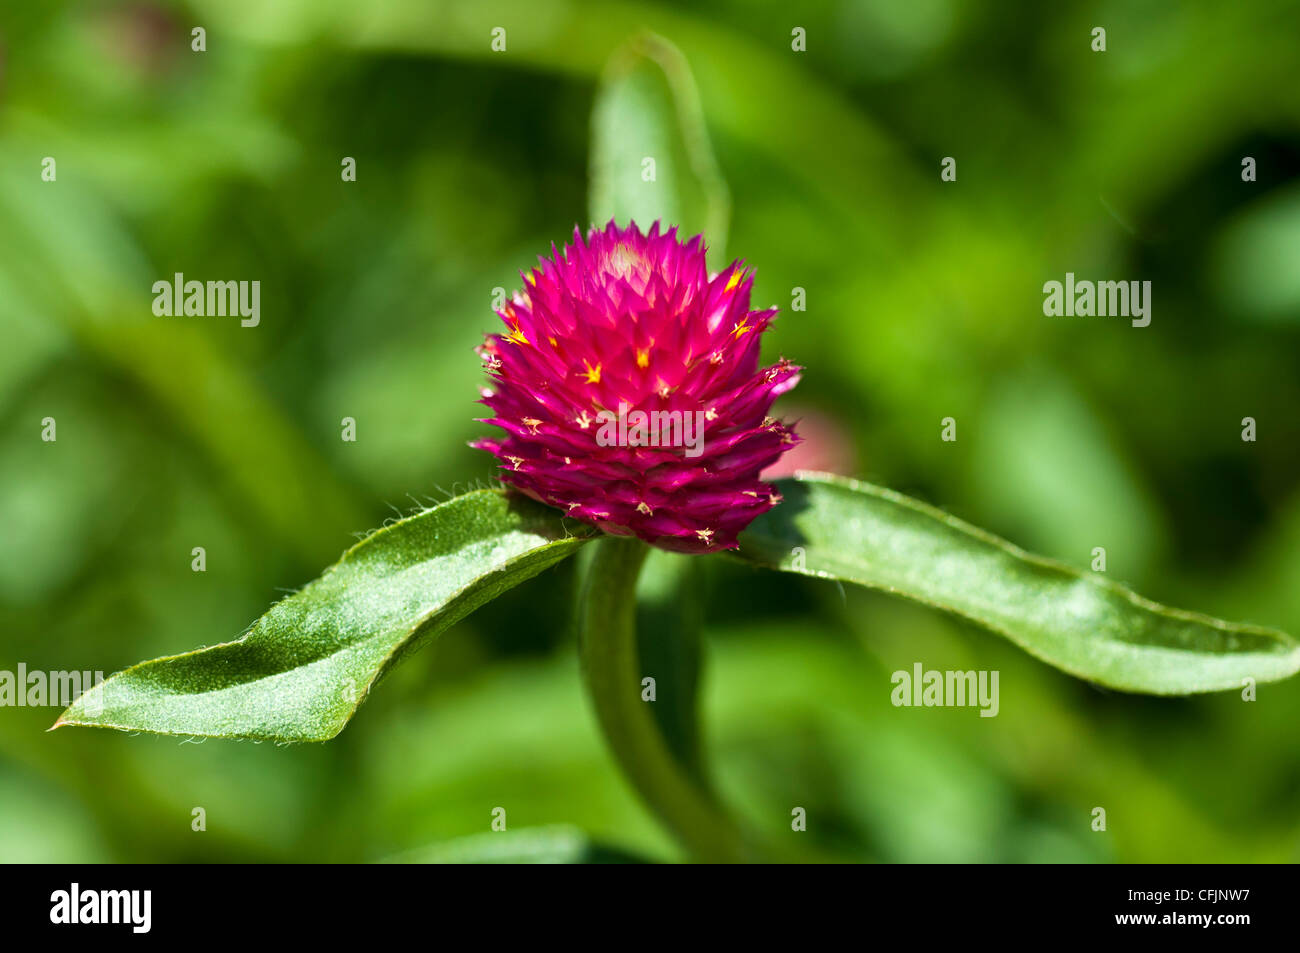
593	373
734	280
643	357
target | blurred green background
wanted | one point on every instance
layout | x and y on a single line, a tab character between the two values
924	301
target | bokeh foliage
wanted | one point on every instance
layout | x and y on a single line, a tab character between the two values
924	301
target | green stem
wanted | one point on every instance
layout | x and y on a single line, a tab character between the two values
608	648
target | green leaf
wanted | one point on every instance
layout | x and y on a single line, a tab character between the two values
304	667
647	111
1083	623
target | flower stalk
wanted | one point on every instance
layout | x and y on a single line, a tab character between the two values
607	644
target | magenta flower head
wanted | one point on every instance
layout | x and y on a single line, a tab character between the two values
630	394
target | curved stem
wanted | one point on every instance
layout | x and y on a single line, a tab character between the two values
612	672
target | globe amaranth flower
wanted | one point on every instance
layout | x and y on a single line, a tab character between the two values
629	389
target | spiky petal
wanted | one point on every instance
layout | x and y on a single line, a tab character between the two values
621	322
